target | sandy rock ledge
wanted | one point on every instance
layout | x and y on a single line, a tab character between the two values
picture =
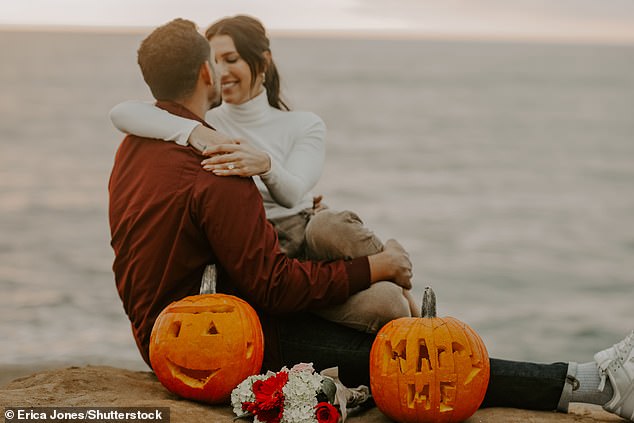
103	386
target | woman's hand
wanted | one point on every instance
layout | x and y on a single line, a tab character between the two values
239	159
203	138
318	205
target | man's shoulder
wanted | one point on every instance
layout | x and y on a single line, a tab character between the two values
147	158
153	156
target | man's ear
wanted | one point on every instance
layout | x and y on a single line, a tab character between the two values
205	73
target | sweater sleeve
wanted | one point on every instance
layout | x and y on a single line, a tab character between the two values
145	120
289	182
246	248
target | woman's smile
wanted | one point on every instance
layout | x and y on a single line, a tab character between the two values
229	85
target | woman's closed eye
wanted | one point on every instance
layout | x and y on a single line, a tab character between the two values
232	58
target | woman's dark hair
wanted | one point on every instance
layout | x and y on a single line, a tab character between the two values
249	36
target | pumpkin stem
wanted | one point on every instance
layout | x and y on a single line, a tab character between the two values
208	282
429	303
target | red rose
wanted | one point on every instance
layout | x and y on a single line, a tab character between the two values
269	398
326	413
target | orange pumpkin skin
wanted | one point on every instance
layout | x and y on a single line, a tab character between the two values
203	346
428	369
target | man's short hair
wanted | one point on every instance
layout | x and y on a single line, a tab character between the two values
170	59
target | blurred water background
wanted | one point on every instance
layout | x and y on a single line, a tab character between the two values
506	169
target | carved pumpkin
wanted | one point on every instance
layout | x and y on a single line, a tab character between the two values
428	369
203	346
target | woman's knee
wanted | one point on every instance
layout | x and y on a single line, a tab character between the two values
370	309
339	234
388	302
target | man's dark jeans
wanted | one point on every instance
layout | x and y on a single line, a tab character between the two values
307	338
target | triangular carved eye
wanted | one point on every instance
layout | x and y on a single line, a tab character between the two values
175	329
212	329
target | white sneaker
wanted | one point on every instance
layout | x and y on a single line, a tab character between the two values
617	365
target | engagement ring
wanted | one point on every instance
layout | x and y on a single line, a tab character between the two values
231	166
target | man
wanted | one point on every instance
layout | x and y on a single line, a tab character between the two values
170	218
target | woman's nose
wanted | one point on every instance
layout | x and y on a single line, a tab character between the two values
223	68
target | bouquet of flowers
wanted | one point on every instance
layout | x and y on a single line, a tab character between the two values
298	395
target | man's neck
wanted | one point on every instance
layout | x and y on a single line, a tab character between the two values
194	105
181	109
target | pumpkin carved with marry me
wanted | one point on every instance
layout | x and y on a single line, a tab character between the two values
428	369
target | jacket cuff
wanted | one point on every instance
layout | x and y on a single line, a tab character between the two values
358	270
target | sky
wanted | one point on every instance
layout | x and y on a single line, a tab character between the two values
584	20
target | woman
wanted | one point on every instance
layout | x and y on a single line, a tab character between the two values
284	151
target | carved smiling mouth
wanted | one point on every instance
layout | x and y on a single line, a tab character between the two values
191	377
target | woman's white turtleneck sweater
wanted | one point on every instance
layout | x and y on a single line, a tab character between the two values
294	140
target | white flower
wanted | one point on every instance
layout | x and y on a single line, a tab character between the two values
300	394
244	393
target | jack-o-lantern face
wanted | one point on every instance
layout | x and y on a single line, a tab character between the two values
205	345
428	369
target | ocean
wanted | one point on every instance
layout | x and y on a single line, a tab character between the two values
506	169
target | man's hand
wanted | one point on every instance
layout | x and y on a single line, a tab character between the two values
392	264
203	138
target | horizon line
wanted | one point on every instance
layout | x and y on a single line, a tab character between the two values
343	33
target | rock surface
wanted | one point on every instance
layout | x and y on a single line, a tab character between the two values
103	386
